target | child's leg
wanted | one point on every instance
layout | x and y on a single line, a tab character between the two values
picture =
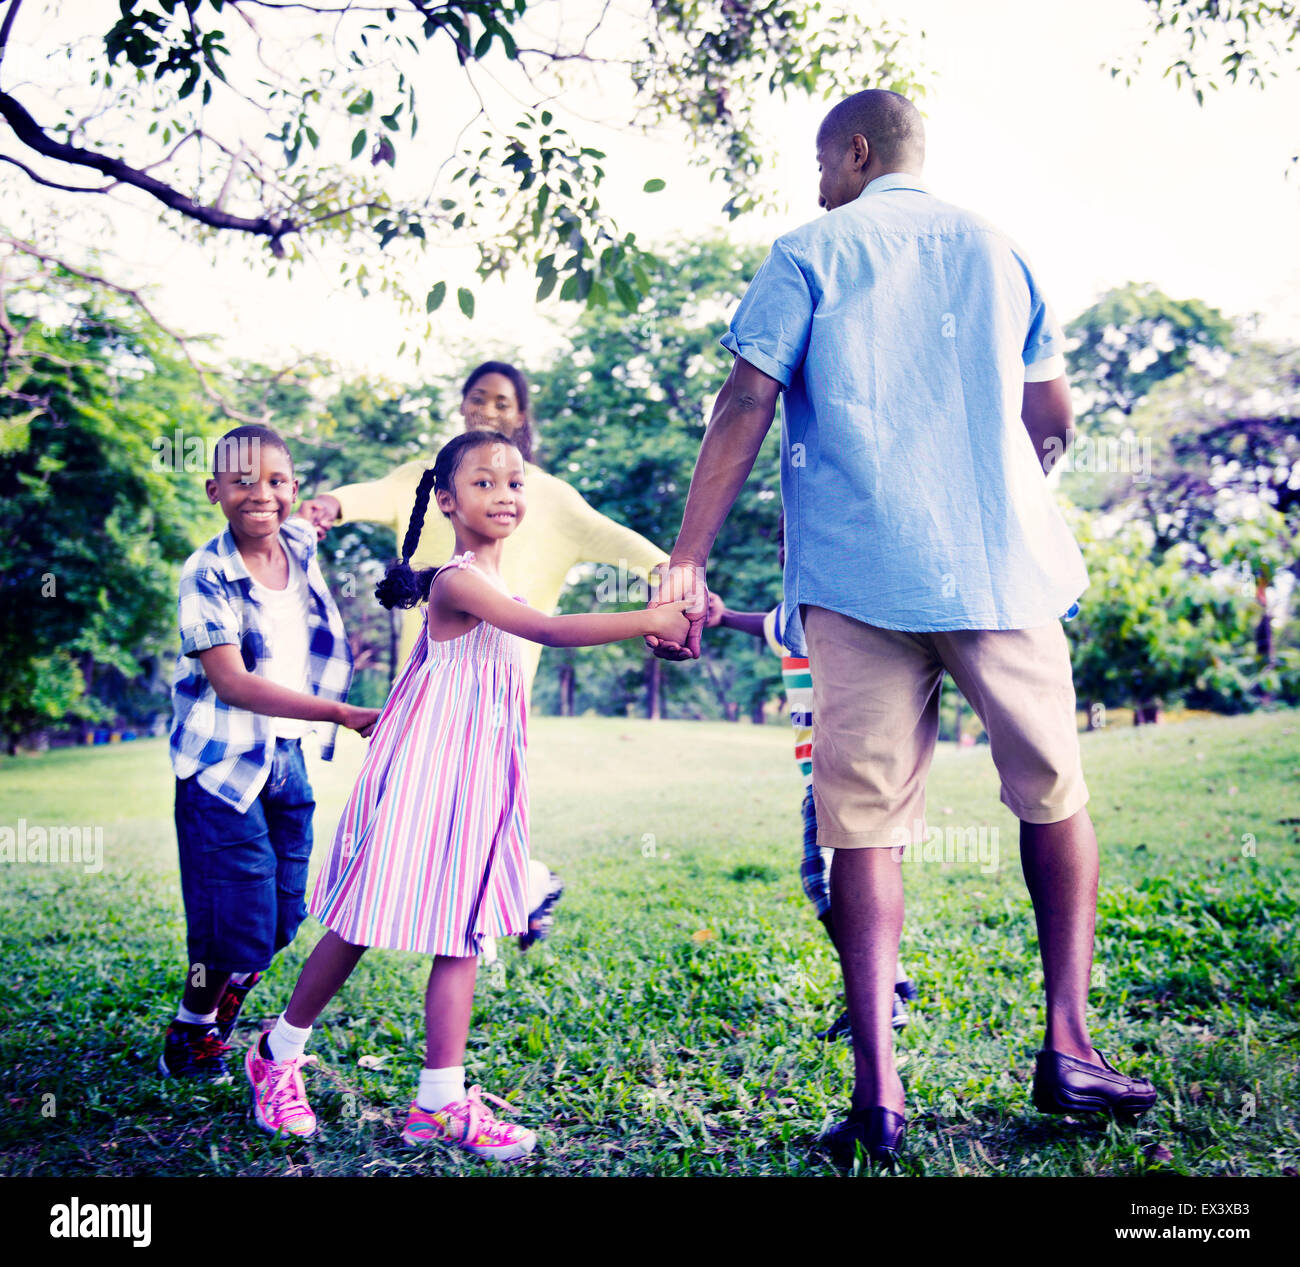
202	1000
443	1111
448	1002
322	977
812	868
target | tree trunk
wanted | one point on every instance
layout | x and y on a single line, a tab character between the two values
566	690
1264	631
84	729
652	706
756	711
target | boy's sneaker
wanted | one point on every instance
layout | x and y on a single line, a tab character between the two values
279	1097
232	1003
541	918
841	1027
193	1051
471	1125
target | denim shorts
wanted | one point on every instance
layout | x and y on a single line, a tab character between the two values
244	876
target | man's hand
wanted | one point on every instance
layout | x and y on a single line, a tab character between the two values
679	581
320	511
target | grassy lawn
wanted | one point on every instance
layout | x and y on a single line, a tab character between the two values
668	1025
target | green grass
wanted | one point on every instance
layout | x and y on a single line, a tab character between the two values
667	1026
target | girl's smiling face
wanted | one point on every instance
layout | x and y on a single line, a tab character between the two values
491	405
255	487
489	498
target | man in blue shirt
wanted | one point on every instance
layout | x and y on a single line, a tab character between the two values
924	401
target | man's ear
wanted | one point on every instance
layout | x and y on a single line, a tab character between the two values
861	151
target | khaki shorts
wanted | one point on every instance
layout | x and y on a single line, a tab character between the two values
876	719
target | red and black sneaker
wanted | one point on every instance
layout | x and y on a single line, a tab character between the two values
194	1051
232	1003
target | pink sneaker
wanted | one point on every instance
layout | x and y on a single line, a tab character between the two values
279	1097
471	1125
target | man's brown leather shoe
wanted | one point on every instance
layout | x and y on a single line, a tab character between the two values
1063	1084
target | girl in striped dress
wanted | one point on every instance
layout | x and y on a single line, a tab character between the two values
431	852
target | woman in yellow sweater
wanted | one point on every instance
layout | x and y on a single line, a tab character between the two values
559	531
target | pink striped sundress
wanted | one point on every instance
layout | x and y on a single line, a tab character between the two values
431	853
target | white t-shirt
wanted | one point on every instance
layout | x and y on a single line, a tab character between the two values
287	628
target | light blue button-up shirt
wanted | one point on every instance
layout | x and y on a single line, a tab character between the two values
902	329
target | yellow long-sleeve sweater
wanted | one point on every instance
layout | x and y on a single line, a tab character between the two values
559	529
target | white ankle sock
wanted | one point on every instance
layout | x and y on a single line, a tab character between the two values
440	1087
196	1018
287	1041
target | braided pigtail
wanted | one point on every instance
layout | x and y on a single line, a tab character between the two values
402	586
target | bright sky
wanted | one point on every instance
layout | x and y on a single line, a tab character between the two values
1101	184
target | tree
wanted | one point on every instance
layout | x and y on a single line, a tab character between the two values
103	455
1132	338
623	414
1152	631
283	125
1238	40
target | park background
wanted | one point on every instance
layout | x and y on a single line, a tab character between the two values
686	977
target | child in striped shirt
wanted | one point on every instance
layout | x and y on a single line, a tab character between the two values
814	867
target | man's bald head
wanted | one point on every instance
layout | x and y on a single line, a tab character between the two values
890	124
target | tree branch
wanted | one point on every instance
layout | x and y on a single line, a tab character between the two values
27	248
30	133
52	184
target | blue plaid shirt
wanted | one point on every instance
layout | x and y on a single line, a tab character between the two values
231	749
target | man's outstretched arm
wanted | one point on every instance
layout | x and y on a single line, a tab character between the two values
741	417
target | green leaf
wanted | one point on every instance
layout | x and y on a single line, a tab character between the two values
433	300
362	103
654	186
629	298
358	142
548	285
484	43
466	300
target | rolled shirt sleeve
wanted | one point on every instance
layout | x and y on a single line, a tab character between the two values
1044	340
773	321
206	618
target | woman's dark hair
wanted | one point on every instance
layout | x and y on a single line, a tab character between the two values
402	586
523	439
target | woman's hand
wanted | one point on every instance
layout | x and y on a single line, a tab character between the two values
321	512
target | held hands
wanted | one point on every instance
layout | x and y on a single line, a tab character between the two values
320	512
671	622
362	720
684	584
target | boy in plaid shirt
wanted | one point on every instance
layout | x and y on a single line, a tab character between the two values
263	656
